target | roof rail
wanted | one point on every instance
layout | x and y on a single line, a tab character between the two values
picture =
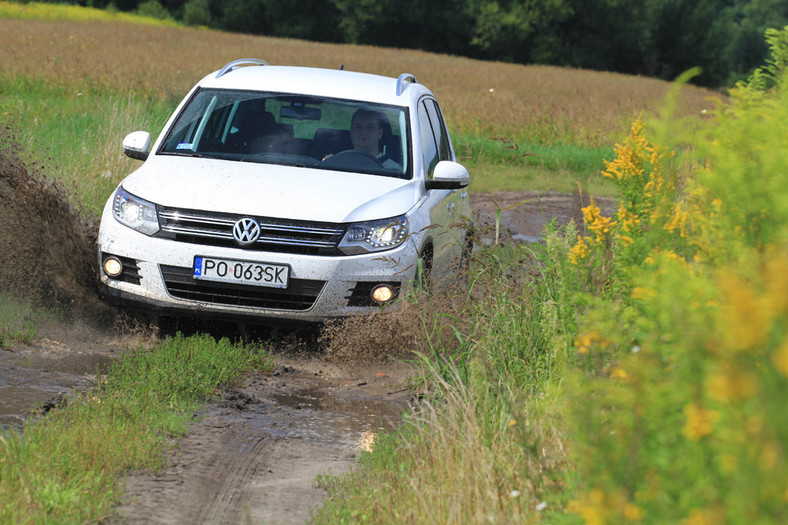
403	81
240	62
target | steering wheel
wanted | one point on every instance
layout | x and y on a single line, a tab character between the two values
354	158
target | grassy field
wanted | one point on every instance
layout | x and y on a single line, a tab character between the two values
75	87
630	369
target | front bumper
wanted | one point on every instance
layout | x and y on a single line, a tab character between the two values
159	279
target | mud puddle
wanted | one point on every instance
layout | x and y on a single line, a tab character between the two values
523	215
38	377
326	418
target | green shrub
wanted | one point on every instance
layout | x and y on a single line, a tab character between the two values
196	13
153	9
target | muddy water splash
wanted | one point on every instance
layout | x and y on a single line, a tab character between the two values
46	250
46	259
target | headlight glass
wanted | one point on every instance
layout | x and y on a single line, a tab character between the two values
374	236
136	213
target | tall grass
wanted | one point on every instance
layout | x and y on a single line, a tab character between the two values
64	468
486	446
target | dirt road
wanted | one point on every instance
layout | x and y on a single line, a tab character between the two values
255	455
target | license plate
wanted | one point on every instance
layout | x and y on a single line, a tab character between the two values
241	272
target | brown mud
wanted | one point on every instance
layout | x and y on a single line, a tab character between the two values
253	455
46	249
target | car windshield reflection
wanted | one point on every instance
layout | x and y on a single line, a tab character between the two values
293	131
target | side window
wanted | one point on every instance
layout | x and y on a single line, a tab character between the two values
429	148
439	130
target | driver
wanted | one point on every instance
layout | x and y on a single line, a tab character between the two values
366	130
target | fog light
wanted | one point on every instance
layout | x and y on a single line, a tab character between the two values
112	266
382	293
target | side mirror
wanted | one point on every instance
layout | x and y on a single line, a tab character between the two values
137	145
449	175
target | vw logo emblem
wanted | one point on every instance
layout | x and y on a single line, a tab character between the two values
246	231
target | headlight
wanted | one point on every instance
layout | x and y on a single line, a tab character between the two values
374	236
135	213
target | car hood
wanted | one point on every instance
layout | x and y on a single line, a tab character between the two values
270	190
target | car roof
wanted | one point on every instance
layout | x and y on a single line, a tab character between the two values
335	83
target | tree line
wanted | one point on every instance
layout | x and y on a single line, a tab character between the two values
658	38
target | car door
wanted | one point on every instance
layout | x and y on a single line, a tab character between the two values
447	206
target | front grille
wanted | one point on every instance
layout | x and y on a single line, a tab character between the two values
300	294
277	235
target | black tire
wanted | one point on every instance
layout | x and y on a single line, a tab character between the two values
424	272
464	267
465	254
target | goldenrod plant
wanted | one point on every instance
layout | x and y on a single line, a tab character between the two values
676	393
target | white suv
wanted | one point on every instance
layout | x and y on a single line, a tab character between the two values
284	194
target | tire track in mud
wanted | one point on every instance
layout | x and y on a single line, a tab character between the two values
255	455
242	461
207	481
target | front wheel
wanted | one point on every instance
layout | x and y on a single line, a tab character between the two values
423	279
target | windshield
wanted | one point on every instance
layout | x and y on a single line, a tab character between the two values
293	130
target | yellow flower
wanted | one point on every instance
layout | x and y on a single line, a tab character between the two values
597	507
728	383
600	225
619	373
631	156
777	291
641	292
678	221
627	219
633	512
702	517
746	315
625	240
780	359
579	252
699	421
584	342
591	506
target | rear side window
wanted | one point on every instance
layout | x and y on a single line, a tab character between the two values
434	139
439	129
429	148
